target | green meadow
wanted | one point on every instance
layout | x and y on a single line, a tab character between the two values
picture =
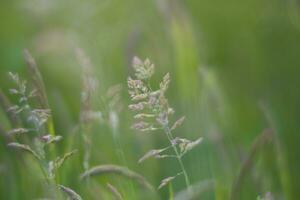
146	100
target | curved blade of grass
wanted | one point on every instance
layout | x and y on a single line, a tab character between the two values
118	170
70	193
114	191
282	164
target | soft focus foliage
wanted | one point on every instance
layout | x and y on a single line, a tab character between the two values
233	66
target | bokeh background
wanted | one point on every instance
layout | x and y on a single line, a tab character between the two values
235	73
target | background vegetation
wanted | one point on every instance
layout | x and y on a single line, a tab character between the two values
234	67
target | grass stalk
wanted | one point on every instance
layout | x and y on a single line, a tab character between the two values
262	139
178	157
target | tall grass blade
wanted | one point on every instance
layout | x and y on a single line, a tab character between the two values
265	137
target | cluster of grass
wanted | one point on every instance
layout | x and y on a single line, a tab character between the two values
34	133
69	128
76	174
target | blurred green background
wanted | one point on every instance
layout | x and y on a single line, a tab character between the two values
234	68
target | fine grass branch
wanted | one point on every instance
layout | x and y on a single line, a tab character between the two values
153	113
114	191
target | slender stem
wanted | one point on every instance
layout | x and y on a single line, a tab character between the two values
44	173
85	130
170	138
121	157
256	146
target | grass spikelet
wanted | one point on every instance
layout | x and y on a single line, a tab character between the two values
114	191
70	193
152	153
36	78
87	115
40	90
168	180
165	182
178	123
17	131
61	160
25	148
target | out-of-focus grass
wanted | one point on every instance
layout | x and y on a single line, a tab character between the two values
226	58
